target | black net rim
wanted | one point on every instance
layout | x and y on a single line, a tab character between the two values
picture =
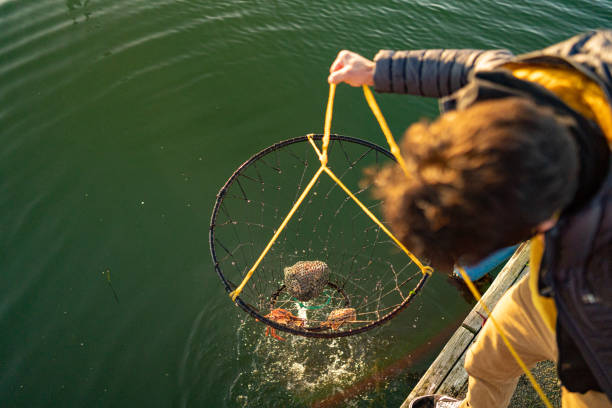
249	309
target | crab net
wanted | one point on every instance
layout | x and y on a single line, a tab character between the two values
332	271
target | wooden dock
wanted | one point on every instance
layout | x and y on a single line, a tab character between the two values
446	374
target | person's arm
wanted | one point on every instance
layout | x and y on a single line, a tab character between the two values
439	73
434	73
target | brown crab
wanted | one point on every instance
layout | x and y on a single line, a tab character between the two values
285	317
338	317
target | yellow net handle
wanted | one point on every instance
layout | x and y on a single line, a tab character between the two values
236	292
424	269
327	127
323	159
393	147
385	129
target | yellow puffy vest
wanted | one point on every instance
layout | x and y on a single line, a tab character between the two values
586	97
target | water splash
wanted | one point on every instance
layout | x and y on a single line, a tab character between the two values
299	370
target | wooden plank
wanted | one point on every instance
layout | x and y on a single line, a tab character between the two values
439	369
506	278
456	380
448	361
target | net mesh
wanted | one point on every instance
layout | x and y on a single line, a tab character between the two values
367	277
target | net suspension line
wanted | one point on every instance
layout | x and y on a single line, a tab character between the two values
323	158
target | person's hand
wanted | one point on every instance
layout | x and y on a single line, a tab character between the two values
352	68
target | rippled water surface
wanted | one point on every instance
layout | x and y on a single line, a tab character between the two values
119	122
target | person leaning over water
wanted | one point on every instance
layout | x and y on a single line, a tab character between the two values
521	151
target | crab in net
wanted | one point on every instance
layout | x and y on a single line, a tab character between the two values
285	317
338	317
305	281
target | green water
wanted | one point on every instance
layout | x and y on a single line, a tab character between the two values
120	121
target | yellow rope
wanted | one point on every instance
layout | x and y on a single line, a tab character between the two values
314	146
235	293
327	127
385	128
424	269
322	154
518	359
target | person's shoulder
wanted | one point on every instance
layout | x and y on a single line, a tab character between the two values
593	42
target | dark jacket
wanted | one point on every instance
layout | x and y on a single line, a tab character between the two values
577	264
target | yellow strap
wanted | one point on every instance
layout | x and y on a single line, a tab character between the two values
327	126
235	293
385	128
518	359
424	269
323	158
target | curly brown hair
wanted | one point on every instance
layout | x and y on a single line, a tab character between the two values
483	178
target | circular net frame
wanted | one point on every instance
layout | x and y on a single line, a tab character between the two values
369	279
